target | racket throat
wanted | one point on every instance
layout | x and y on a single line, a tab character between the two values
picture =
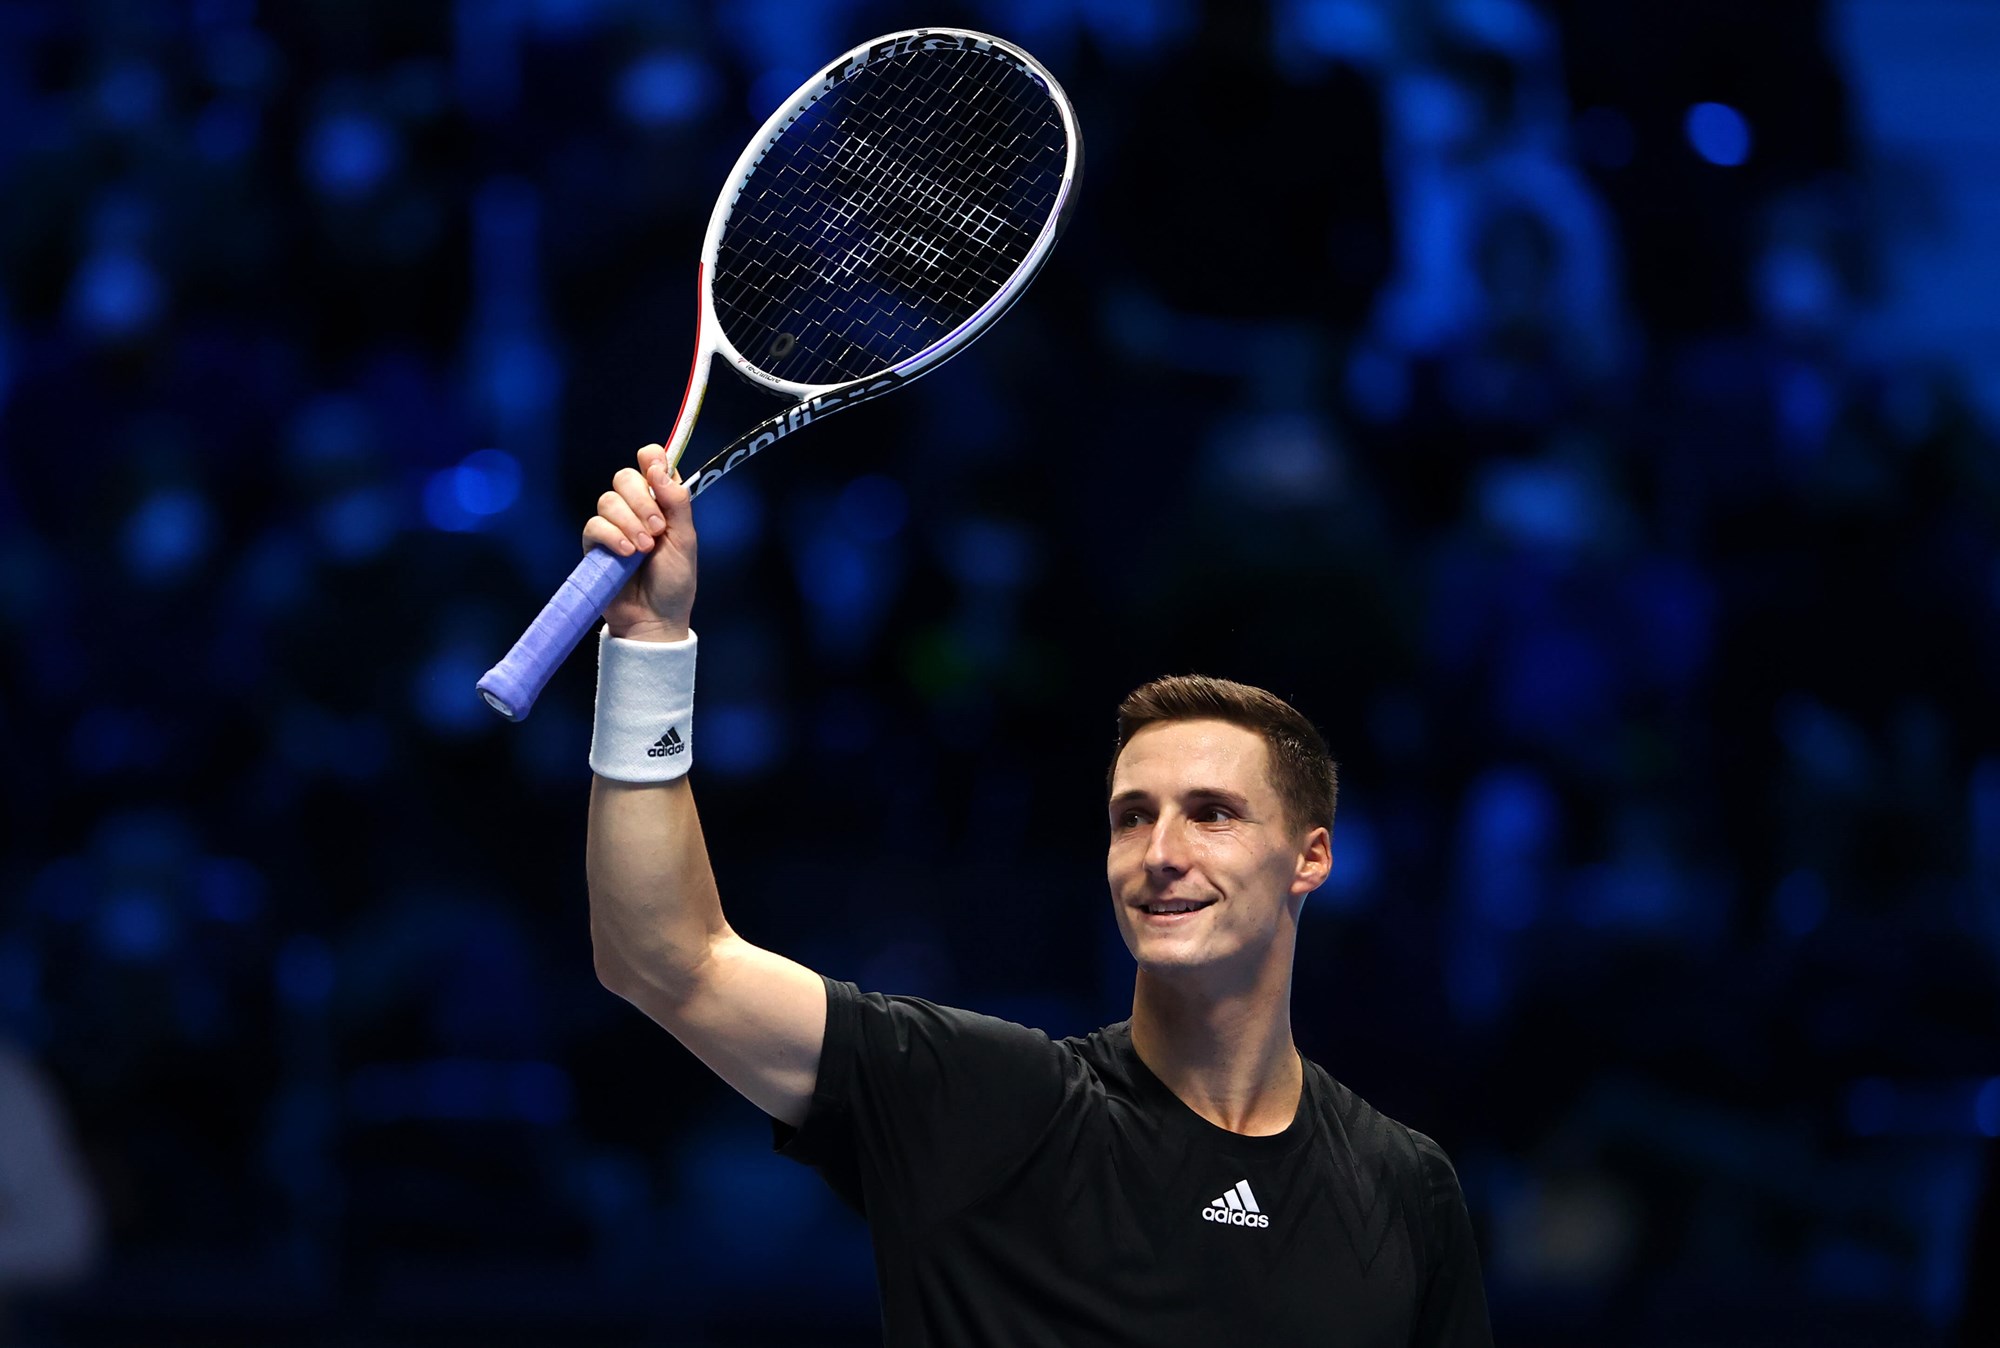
697	384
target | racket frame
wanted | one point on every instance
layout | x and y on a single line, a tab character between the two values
818	399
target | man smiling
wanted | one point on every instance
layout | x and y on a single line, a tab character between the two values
1182	1177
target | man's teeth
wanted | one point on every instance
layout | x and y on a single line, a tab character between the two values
1181	907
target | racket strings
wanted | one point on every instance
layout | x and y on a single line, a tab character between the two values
888	213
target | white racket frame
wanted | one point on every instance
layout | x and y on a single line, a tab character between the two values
709	337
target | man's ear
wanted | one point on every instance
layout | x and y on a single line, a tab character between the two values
1315	861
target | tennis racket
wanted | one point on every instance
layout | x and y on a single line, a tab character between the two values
891	211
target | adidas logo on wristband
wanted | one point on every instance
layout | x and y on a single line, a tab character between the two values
643	729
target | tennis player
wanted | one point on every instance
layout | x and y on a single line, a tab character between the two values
1184	1177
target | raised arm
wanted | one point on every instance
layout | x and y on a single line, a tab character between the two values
656	926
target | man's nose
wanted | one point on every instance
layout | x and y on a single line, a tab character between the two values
1166	847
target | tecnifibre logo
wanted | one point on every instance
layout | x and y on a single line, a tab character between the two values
770	431
1236	1207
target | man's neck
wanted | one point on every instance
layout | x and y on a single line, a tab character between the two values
1229	1057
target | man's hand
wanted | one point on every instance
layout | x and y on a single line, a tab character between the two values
648	510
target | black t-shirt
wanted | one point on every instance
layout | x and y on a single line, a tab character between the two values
1028	1192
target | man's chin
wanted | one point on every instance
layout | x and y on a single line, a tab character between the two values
1170	956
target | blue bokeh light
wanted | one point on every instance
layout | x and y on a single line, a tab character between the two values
134	925
168	535
1357	863
304	972
562	17
358	524
1826	745
1378	384
442	507
348	154
874	508
666	88
1796	284
487	482
230	889
442	691
772	88
539	1092
460	498
130	94
990	555
115	293
1343	29
730	517
331	432
1718	134
226	130
1511	819
740	738
745	1203
1538	505
839	578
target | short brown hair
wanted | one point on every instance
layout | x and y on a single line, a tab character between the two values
1305	774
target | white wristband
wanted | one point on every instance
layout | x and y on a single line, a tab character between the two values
645	709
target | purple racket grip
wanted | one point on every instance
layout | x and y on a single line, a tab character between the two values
512	686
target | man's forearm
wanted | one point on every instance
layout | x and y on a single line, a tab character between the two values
654	911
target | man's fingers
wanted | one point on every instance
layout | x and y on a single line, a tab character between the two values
601	532
644	501
639	496
613	508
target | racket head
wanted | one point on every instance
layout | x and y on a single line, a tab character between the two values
889	212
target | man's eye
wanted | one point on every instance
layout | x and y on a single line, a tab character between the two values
1216	814
1129	819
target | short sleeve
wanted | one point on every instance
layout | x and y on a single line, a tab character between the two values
921	1109
1452	1310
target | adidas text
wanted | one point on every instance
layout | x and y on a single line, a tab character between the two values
1236	1207
1231	1217
669	743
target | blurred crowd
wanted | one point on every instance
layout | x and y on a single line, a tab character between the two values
1507	384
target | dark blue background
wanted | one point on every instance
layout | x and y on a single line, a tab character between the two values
1583	411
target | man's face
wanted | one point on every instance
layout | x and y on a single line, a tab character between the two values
1205	869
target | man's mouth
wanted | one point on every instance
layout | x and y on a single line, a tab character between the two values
1174	907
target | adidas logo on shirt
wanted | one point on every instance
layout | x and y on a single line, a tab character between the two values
669	743
1236	1207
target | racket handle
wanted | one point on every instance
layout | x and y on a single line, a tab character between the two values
512	686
